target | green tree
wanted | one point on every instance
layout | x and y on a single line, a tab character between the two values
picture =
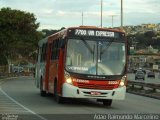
18	33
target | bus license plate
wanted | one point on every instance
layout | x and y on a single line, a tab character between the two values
95	93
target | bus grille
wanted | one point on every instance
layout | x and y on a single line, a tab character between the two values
97	86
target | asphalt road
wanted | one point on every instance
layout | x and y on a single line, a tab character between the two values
20	97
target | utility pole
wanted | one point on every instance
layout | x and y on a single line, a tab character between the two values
101	13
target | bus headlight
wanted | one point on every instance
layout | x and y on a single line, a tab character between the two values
123	81
68	79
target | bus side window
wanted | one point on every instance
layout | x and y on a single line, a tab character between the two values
52	51
61	43
43	52
57	48
53	56
38	54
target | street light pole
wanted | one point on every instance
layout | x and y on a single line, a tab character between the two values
113	20
112	16
101	12
121	14
82	18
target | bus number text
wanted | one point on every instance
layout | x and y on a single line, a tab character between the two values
80	32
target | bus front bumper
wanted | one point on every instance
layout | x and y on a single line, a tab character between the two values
71	91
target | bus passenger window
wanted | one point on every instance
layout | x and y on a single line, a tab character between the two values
43	52
55	50
40	53
52	51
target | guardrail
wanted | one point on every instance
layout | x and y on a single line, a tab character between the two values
143	84
144	89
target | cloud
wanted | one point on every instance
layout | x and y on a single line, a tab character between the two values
63	13
141	6
72	5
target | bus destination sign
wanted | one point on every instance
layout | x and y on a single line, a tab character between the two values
96	33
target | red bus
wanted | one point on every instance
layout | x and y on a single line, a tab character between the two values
83	62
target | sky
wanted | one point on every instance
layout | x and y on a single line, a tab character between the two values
55	14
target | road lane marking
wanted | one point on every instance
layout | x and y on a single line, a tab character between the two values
25	108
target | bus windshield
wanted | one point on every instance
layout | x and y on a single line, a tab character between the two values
100	57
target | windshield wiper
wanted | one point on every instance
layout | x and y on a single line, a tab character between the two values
107	46
92	51
88	46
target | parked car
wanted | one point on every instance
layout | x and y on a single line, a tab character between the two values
151	74
140	75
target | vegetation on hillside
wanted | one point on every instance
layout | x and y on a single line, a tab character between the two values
144	40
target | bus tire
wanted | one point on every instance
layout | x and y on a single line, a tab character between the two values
58	98
42	92
107	102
